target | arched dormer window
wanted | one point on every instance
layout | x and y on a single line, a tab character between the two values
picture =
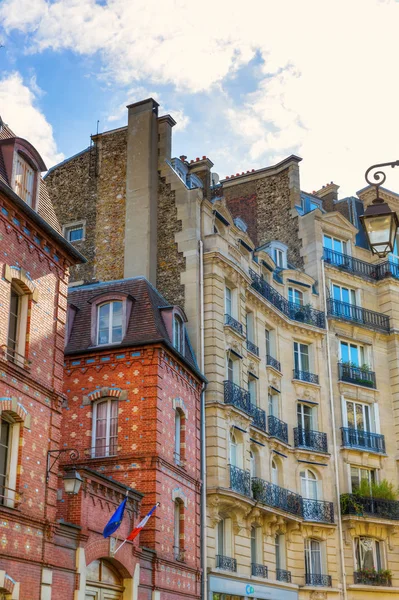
109	323
25	177
105	428
178	333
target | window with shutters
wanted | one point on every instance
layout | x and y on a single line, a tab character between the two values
24	180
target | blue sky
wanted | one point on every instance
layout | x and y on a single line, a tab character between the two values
248	83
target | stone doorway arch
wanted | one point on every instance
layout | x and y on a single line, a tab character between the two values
103	581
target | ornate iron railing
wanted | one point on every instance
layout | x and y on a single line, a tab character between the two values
102	451
226	563
360	267
259	570
352	504
276	497
237	396
357	314
240	481
252	348
357	375
304	314
372	577
364	440
11	355
318	510
273	362
305	376
258	417
234	324
277	428
318	579
283	575
306	438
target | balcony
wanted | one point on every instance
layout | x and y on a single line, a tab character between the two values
318	510
283	575
237	396
352	504
318	579
356	314
229	321
240	481
375	272
226	563
258	417
251	347
357	375
273	362
296	312
277	429
372	577
276	497
306	376
308	439
259	570
363	440
102	450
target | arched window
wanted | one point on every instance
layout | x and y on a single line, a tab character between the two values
103	581
9	444
275	472
233	450
105	428
109	323
178	333
252	463
178	530
309	484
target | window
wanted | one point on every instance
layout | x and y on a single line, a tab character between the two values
178	333
9	445
273	405
233	450
24	180
13	323
252	389
334	244
250	326
305	417
268	343
178	533
359	416
252	463
75	232
221	545
313	558
109	323
295	296
228	300
368	554
309	484
279	258
361	474
352	353
279	542
17	325
105	428
255	545
232	369
343	294
301	357
178	431
275	473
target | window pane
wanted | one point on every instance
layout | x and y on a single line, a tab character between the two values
359	417
267	334
354	353
75	234
228	301
327	242
103	324
278	552
101	429
4	448
355	482
253	545
337	245
221	538
12	342
344	352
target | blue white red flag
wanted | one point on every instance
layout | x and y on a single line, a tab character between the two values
134	533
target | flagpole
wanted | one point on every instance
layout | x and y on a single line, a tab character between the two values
119	547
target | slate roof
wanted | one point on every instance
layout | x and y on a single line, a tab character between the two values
146	324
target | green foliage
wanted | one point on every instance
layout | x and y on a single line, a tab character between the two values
384	490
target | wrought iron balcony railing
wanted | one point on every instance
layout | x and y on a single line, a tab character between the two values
352	504
318	579
258	417
296	312
357	314
372	577
226	563
363	440
273	362
234	324
252	348
314	440
102	450
276	497
11	355
318	510
283	575
306	376
240	481
277	428
357	375
259	570
360	267
237	396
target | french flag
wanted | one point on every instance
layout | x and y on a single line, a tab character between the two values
134	533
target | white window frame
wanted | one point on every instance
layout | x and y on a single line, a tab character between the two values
228	301
372	416
178	333
110	303
374	542
273	404
22	324
295	296
301	416
252	389
370	474
308	557
360	349
298	352
178	417
109	402
67	228
250	326
344	244
11	461
310	486
280	549
233	367
353	295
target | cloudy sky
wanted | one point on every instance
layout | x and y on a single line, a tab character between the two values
249	82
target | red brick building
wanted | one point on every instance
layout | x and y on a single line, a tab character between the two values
133	414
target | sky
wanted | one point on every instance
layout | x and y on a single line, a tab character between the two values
249	83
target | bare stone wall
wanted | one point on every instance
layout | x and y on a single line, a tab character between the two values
73	194
170	262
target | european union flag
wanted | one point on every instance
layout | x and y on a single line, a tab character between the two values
115	520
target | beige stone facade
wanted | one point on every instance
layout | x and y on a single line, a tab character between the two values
300	350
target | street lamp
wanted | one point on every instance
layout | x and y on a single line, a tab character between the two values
72	479
72	482
379	221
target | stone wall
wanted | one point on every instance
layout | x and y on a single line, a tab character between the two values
170	263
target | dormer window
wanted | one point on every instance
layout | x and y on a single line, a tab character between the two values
109	328
24	180
178	333
278	252
279	257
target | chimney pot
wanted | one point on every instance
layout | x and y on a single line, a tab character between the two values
204	157
182	157
227	177
197	159
191	161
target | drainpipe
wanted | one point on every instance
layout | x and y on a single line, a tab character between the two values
335	449
203	433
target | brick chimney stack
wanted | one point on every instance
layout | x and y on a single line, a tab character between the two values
202	168
329	194
165	124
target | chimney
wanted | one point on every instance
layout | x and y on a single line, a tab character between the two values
165	125
141	190
202	168
329	194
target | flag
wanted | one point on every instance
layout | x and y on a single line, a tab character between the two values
115	520
142	524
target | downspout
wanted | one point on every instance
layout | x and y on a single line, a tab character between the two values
335	449
203	432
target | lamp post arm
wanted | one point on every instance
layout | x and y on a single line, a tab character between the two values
54	455
379	175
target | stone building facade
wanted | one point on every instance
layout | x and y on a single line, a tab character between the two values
294	326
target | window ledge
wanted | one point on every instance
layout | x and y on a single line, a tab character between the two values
373	588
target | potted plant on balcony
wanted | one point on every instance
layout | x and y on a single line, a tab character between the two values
375	577
365	380
350	505
257	489
304	313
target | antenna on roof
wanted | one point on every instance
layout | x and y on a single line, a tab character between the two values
98	121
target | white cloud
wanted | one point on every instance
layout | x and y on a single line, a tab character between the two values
18	109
